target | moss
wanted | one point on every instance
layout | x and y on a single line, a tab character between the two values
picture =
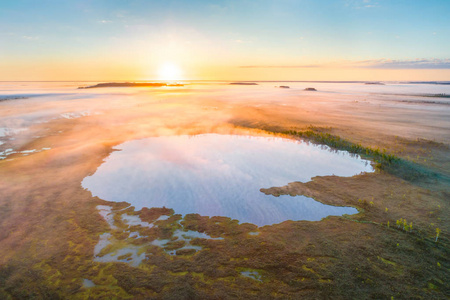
431	286
174	245
255	274
113	247
151	214
186	252
179	273
292	259
5	295
387	261
125	256
304	267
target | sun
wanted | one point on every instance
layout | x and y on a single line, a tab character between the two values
169	71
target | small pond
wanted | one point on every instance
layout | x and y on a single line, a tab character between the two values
221	175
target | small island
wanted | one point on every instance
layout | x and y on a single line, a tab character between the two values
284	87
374	83
12	98
243	83
130	84
310	89
442	95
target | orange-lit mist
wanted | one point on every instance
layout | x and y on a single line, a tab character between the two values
105	117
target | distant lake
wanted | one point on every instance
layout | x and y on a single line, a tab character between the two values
221	175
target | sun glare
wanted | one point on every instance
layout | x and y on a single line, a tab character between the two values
169	71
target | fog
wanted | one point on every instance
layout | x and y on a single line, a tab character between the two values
53	135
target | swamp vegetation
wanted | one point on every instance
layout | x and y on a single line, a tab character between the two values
357	256
57	241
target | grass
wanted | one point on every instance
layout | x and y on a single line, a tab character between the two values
390	163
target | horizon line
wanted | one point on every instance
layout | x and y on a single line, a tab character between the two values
228	80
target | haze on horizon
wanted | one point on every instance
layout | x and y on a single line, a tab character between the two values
224	40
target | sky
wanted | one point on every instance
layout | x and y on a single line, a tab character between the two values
107	40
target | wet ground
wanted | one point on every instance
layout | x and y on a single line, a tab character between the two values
60	241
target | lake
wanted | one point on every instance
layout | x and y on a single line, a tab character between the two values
221	175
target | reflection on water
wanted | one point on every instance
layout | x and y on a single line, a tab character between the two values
136	248
105	212
221	175
130	254
252	274
135	221
185	237
88	283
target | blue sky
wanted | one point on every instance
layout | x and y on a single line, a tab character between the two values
206	34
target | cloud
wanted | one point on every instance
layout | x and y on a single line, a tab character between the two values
368	64
359	4
281	67
30	38
406	64
104	21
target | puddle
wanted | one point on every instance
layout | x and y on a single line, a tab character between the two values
135	235
104	240
252	274
130	254
120	252
187	245
74	115
110	249
221	175
162	218
186	237
4	154
88	283
189	235
106	212
160	243
134	221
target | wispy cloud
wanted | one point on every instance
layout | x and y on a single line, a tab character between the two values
281	66
359	4
369	64
104	21
30	38
406	64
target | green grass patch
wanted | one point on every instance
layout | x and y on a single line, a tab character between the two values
389	163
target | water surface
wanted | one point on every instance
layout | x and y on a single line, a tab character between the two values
221	175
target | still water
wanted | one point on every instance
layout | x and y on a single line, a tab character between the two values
221	175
